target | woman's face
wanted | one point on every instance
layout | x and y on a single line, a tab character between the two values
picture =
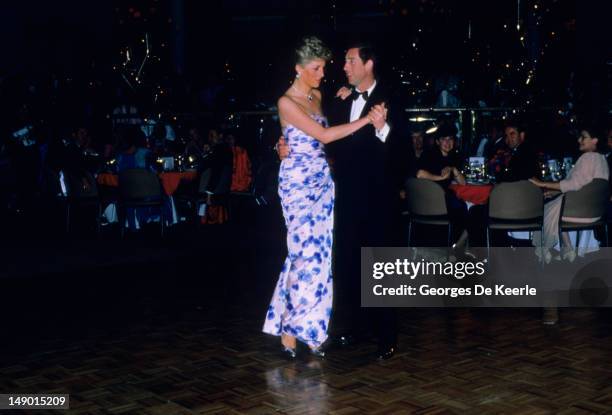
586	142
312	72
446	144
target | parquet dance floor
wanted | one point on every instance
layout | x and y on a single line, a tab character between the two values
161	338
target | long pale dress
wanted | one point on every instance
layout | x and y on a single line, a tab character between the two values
302	301
590	165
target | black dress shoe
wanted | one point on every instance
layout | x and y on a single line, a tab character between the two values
318	352
346	340
385	353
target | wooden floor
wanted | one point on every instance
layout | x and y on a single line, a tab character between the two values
161	338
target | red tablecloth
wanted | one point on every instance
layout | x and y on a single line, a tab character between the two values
169	180
476	194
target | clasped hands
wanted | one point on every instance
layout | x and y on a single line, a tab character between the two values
448	172
377	114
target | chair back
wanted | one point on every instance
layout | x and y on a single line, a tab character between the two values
425	198
139	184
224	184
588	202
521	200
76	189
204	180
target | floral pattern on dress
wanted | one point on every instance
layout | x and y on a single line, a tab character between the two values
302	301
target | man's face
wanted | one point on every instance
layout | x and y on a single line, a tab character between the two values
213	136
194	134
82	137
513	137
354	68
417	141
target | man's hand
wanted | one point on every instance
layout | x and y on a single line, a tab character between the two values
282	148
343	93
379	116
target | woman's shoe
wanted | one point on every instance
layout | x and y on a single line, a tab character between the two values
288	352
543	254
568	254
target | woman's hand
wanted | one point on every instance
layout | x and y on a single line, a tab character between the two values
378	115
343	93
537	182
550	194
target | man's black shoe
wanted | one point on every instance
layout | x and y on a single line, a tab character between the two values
385	353
346	340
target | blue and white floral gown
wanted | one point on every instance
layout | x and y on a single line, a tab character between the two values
302	301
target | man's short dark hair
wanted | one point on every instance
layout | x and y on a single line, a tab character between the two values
516	124
366	53
446	130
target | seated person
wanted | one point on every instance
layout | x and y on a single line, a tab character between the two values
516	160
196	144
410	165
442	164
415	152
591	165
132	153
241	172
219	159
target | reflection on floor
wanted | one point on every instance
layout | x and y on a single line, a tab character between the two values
182	336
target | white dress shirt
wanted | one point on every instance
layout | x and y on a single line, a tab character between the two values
357	108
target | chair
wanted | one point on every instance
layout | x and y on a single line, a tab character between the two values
515	206
204	194
139	188
256	191
588	202
426	205
78	196
220	194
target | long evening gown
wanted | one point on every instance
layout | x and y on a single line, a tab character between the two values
302	301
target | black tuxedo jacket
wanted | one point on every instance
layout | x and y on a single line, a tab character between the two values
523	165
360	162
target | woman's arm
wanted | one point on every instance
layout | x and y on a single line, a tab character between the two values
546	185
292	114
424	174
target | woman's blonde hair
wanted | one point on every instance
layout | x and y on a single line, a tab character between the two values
311	48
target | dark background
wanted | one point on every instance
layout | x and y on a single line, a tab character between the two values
237	55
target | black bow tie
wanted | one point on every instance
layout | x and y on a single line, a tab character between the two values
356	94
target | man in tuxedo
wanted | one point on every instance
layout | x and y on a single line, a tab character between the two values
520	162
365	203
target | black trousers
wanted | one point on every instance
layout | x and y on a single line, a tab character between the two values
354	229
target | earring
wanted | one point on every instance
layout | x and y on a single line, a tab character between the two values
297	76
